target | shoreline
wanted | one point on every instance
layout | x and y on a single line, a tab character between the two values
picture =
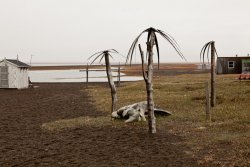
133	70
133	66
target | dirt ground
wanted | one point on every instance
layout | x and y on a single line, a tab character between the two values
24	143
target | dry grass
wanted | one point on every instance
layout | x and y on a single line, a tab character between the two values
76	122
184	93
225	141
184	96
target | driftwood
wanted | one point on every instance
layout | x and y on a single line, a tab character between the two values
119	75
105	54
87	75
137	112
206	48
213	93
111	82
148	75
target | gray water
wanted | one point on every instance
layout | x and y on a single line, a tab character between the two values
55	76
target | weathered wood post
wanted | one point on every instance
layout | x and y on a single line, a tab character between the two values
213	94
87	75
203	67
111	82
149	85
119	75
208	112
148	78
105	54
148	75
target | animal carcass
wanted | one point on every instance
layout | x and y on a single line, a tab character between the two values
136	112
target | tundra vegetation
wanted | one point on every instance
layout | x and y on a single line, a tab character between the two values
222	142
184	95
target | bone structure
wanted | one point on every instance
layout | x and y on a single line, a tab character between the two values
136	112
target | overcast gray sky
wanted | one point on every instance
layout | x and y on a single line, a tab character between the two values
72	30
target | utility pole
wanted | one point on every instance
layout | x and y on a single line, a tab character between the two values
31	58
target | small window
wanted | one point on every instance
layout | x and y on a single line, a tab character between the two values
231	64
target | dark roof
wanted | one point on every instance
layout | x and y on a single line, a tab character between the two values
18	63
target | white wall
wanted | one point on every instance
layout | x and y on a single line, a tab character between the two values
12	76
22	78
18	77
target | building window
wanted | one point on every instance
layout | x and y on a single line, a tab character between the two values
231	64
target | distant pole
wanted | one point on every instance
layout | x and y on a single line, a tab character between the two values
203	67
213	94
5	62
31	58
208	112
87	75
119	74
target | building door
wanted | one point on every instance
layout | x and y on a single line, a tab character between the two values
4	82
245	66
219	66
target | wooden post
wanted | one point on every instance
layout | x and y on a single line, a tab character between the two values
213	94
30	59
203	67
111	82
119	75
208	112
149	86
87	75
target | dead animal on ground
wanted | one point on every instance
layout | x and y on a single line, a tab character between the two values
137	112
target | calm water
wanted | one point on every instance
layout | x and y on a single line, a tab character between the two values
75	76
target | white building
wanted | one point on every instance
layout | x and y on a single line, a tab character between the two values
13	74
